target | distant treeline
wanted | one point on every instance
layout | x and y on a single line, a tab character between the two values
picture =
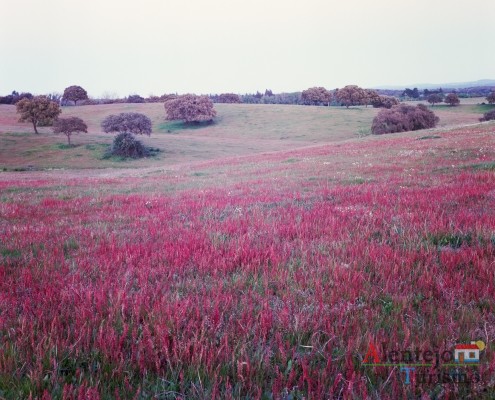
415	94
266	97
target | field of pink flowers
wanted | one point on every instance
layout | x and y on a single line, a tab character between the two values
262	277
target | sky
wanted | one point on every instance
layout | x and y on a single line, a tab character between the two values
122	47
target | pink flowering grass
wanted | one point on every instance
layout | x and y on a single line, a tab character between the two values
267	285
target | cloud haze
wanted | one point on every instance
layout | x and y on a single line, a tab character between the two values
163	46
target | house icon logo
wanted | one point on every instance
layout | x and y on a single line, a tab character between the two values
468	353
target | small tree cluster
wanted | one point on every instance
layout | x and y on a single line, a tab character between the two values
125	143
190	108
452	99
39	111
228	98
403	118
75	94
132	122
434	98
384	102
15	97
491	97
488	116
68	126
316	96
351	95
135	98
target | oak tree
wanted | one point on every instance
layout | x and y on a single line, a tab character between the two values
434	98
74	93
350	95
316	96
452	99
39	110
190	108
131	122
491	97
69	125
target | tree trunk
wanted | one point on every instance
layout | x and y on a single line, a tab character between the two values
35	129
68	139
75	103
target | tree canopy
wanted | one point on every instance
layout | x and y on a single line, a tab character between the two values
69	125
190	108
491	97
39	110
316	96
350	95
74	93
452	99
434	98
131	122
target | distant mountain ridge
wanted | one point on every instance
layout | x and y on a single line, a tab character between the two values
452	85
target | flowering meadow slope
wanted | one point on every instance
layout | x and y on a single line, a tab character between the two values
258	277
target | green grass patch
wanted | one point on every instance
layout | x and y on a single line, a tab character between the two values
452	240
10	253
429	137
482	108
490	166
176	126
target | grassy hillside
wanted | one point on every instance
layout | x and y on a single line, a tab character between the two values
229	272
240	129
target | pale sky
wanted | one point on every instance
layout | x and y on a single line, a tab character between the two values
212	46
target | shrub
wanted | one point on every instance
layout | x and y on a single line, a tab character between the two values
190	108
135	98
491	97
132	122
229	98
126	145
488	116
403	118
384	102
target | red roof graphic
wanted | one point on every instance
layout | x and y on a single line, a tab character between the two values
466	347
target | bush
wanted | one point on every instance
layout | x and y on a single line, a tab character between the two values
488	116
135	98
190	108
384	102
403	118
126	145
